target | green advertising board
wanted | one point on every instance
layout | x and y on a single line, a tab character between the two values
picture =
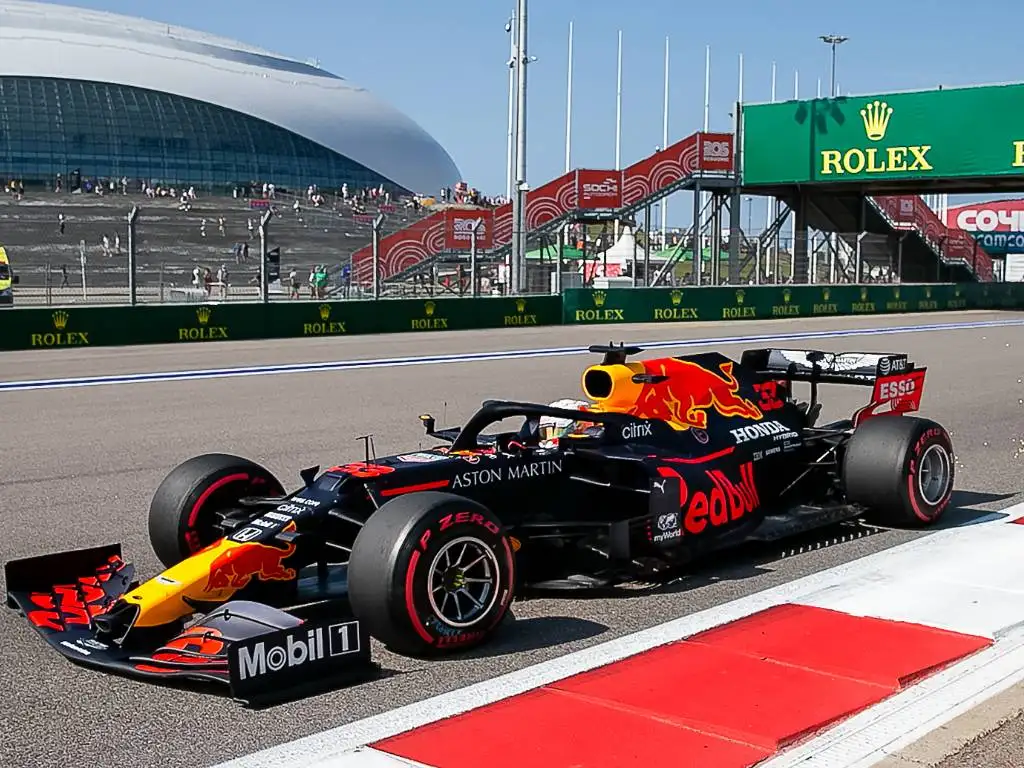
60	327
659	305
949	133
77	327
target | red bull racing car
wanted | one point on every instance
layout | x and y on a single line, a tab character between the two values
673	458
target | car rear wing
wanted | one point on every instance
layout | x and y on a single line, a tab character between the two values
859	368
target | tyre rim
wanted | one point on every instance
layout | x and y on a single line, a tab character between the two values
463	581
933	475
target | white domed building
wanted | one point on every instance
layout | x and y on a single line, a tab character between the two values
111	96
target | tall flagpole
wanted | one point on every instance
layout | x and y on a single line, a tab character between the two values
792	216
618	122
518	244
664	145
618	109
511	159
771	211
568	110
704	196
737	209
707	87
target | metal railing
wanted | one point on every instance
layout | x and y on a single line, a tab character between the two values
75	249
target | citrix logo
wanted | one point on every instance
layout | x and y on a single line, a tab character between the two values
633	431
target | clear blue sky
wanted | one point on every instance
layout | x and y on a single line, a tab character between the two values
443	62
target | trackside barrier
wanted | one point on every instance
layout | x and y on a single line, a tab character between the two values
98	326
658	305
50	327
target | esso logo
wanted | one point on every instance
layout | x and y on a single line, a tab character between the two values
892	390
716	150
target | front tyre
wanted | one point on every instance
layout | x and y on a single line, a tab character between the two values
431	573
182	514
901	468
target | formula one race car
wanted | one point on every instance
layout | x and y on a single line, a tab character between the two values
671	459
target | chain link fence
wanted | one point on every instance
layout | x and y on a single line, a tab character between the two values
81	249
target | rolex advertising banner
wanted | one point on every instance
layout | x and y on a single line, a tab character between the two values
74	327
949	133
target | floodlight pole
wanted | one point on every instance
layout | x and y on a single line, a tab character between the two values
834	41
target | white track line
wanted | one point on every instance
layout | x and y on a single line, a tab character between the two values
329	747
470	357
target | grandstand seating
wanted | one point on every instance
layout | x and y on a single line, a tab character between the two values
172	240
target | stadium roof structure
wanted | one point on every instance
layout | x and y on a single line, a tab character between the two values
46	40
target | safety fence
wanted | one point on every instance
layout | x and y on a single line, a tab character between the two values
77	326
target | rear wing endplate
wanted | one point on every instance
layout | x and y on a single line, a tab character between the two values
860	368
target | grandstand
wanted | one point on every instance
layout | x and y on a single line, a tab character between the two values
171	242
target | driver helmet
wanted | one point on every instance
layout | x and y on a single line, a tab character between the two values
552	428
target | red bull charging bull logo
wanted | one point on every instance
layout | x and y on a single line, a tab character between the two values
236	567
688	391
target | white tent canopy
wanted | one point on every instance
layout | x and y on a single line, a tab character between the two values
621	253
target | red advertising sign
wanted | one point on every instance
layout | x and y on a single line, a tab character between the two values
458	229
598	189
990	216
715	152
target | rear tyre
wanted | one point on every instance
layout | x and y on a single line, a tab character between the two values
431	573
182	514
901	468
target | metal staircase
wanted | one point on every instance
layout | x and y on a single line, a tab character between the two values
702	159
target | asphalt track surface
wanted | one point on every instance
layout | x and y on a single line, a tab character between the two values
78	465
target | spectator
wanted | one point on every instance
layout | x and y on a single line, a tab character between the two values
222	279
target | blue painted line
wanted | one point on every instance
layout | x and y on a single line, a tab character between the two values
471	357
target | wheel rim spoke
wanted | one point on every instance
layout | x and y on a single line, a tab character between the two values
457	598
